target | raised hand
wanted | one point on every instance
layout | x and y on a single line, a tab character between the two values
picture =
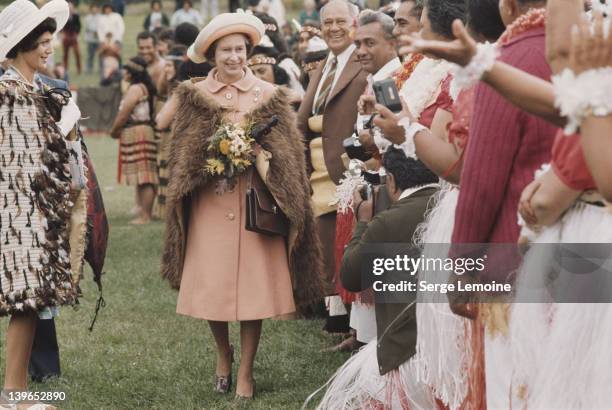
590	49
387	121
459	51
365	104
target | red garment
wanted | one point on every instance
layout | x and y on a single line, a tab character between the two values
443	102
505	148
97	234
346	222
71	41
458	129
569	164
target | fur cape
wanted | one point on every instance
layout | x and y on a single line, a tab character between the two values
197	118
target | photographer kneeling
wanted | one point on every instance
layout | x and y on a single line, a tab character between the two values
368	375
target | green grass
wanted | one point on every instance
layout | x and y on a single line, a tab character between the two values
141	354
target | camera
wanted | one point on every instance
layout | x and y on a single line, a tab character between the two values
354	149
369	123
386	94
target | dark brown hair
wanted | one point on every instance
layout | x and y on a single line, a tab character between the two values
145	35
30	42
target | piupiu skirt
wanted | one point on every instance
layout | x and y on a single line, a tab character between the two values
163	153
138	156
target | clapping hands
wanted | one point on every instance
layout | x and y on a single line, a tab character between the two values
591	46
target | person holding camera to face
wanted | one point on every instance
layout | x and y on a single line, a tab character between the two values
381	375
375	48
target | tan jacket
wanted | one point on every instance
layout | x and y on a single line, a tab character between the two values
340	112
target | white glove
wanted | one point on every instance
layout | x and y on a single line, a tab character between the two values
70	115
77	165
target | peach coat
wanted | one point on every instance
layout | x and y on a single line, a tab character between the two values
229	273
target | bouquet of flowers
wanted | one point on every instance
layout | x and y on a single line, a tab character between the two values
232	152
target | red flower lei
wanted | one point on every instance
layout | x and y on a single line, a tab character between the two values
407	69
534	18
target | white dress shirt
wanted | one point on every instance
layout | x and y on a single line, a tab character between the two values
91	28
111	23
343	59
181	16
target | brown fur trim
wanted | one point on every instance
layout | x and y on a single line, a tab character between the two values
197	118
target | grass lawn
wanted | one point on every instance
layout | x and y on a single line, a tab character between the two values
141	354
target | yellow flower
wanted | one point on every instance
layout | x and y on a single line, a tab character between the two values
224	147
214	167
241	162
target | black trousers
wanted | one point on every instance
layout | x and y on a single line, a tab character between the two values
45	361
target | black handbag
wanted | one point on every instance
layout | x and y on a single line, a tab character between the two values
263	215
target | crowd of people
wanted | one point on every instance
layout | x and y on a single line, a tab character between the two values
280	154
104	27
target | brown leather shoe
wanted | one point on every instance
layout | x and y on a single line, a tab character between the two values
223	384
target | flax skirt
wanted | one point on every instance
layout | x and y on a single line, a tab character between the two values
138	156
162	167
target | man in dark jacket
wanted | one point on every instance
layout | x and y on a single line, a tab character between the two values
410	186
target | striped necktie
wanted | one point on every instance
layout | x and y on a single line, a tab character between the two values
326	87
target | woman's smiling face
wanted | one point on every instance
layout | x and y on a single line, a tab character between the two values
37	58
231	55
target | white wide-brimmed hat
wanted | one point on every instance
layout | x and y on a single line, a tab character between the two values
224	25
20	17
